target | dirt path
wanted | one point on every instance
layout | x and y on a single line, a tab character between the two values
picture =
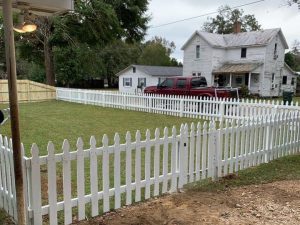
275	203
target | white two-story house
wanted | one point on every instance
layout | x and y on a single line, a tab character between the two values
253	59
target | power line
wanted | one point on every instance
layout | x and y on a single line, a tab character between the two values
207	14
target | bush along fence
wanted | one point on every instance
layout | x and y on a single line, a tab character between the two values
183	106
78	183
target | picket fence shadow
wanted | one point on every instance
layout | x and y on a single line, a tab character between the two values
88	182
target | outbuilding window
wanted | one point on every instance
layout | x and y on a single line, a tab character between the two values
127	82
244	53
284	80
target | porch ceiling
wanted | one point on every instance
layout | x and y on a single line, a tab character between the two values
237	68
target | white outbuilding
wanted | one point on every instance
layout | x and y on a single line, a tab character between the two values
135	78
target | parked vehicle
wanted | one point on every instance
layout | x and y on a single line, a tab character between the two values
192	86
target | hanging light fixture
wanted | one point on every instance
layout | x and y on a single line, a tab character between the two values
25	23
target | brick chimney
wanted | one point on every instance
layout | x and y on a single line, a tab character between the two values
237	27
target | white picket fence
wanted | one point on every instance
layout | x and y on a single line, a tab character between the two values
183	106
7	178
89	182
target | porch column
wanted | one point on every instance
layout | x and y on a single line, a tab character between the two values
230	80
249	81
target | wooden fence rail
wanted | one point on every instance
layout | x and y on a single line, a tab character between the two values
107	176
28	91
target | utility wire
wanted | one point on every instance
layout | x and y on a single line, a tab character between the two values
207	14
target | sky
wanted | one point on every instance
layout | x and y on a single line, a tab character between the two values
269	13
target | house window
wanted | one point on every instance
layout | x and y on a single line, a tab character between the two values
197	51
239	80
134	69
141	82
275	52
161	79
127	82
194	74
293	81
181	83
284	80
244	53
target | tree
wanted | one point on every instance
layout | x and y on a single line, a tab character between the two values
224	22
291	2
84	33
157	52
292	58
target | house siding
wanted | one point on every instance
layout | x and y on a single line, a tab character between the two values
273	66
150	80
202	65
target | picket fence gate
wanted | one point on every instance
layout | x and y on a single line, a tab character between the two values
182	106
92	181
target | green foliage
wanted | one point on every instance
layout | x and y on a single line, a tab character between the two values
157	53
244	92
223	23
36	73
292	58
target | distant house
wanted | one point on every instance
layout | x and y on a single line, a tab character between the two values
253	59
135	78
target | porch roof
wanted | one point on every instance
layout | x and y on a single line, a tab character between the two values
237	68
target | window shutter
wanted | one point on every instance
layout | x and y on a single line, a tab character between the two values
130	82
123	81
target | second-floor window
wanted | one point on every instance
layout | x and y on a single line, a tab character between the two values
275	51
244	53
198	52
134	69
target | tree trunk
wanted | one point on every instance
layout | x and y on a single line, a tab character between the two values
49	65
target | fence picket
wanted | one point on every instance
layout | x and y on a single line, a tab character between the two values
67	182
94	177
156	162
117	164
165	160
80	179
147	165
36	185
128	169
52	192
105	174
138	167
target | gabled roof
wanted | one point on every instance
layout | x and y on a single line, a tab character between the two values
253	38
156	70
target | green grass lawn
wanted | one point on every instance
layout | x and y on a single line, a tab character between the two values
56	121
286	168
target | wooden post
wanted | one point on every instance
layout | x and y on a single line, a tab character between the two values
230	80
14	109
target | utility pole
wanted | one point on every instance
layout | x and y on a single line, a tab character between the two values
14	108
